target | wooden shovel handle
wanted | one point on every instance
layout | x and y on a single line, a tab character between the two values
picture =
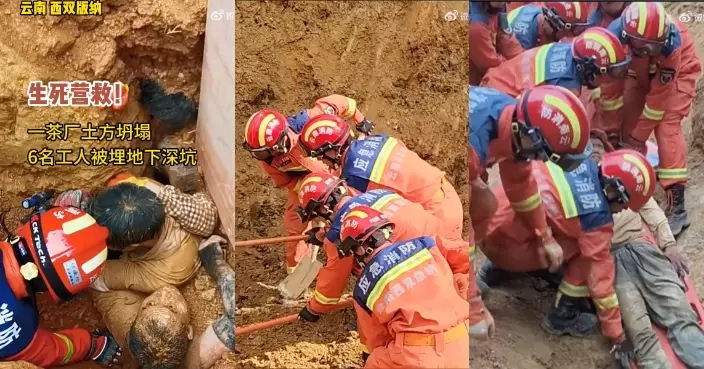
283	320
266	241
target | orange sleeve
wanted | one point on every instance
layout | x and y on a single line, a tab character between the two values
281	179
610	97
508	45
481	50
372	333
456	252
594	247
659	97
332	279
522	191
344	106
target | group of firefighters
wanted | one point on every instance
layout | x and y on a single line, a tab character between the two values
554	87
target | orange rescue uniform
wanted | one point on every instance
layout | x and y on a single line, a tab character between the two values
490	45
408	312
287	171
581	221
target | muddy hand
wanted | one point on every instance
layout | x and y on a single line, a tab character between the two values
677	261
212	239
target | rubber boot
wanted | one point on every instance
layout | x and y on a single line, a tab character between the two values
490	276
481	322
676	213
567	318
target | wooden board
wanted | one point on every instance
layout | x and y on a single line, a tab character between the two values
215	140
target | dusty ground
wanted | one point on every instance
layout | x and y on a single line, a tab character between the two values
406	67
519	307
162	40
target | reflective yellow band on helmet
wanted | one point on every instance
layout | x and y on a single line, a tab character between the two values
571	116
604	42
672	173
661	21
540	60
69	348
316	125
324	299
577	9
528	204
606	303
572	290
351	108
652	114
262	128
610	105
564	190
641	166
642	14
596	93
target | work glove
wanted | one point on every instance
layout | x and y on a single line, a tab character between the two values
551	253
623	353
366	126
633	144
79	199
677	260
308	315
104	349
313	236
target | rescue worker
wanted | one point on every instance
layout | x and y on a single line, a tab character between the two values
59	252
492	40
536	25
327	197
592	56
665	69
607	12
579	207
383	162
272	142
342	106
408	312
509	132
648	285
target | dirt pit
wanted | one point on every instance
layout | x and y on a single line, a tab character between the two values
133	39
407	69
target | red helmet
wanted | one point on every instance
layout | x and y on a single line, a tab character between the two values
557	124
566	14
316	190
359	226
266	134
628	173
322	133
597	51
66	247
646	21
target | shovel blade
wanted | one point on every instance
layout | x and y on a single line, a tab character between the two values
296	283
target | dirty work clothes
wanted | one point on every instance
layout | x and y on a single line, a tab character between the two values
628	226
170	259
408	312
119	310
648	288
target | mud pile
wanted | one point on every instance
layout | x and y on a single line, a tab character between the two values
162	41
406	67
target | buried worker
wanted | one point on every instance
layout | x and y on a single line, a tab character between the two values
648	286
665	70
553	21
591	57
156	329
408	312
493	42
60	252
324	196
547	123
578	206
342	106
383	162
273	143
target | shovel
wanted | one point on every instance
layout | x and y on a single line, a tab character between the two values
296	283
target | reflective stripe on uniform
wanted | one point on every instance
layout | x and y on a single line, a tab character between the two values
672	173
609	105
564	190
528	204
606	303
324	299
405	266
69	348
652	114
364	348
472	252
540	58
572	290
351	108
596	93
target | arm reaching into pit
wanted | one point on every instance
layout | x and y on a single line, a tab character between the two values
196	213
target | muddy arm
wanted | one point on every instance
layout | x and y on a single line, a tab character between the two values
213	260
